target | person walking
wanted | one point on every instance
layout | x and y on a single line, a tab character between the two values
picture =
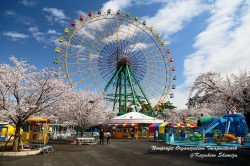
156	136
108	137
101	135
132	134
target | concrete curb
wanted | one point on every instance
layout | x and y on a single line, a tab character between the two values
22	153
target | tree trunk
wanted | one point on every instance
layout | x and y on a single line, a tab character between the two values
17	137
82	130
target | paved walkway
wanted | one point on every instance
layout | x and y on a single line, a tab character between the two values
122	152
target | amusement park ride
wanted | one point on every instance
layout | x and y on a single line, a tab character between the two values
34	130
231	129
119	55
225	129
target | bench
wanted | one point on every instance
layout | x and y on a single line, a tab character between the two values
46	149
86	140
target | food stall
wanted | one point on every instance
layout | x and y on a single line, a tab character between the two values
137	123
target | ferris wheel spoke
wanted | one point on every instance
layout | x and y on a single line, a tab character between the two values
113	32
89	39
157	68
72	55
127	31
87	78
152	51
133	54
152	92
157	62
82	64
94	83
137	29
107	35
102	86
80	42
138	85
100	29
154	57
83	71
139	37
152	78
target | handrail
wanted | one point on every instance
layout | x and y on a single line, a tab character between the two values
7	142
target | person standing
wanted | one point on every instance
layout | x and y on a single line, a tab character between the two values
132	134
199	121
101	135
108	137
228	105
156	136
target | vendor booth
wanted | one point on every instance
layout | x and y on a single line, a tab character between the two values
173	131
131	123
124	130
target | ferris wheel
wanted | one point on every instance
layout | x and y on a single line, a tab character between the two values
119	55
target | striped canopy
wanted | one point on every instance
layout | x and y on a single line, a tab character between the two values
161	126
182	125
153	127
122	125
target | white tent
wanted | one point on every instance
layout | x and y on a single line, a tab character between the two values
134	117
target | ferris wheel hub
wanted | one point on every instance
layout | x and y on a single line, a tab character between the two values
123	61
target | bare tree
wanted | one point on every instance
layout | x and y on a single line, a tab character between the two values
213	90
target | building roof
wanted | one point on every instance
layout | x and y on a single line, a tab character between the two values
134	117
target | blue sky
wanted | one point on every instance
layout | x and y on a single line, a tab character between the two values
203	35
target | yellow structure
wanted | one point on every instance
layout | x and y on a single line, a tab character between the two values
11	130
162	128
36	129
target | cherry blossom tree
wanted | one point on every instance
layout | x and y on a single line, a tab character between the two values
24	92
215	92
84	109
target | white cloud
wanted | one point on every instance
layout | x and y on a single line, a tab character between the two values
18	17
9	13
115	5
124	32
180	97
56	15
147	2
15	35
54	40
224	44
173	16
54	32
28	2
39	36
